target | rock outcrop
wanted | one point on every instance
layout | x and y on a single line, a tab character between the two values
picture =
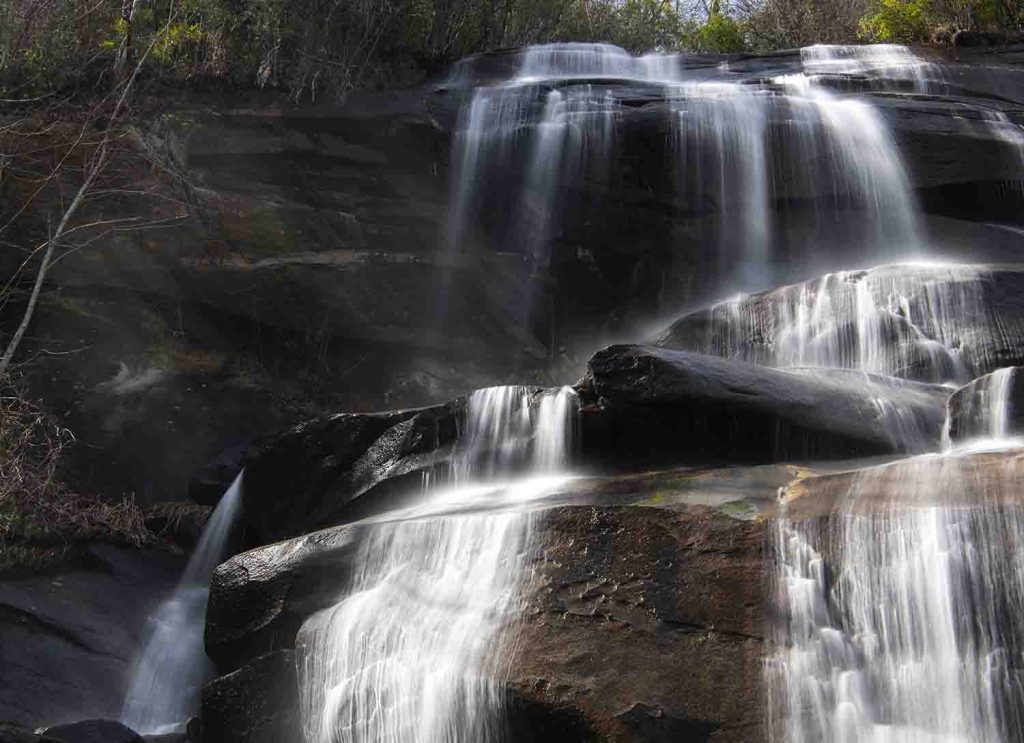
307	271
652	405
623	596
642	407
69	636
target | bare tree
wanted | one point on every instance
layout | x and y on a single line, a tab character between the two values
102	147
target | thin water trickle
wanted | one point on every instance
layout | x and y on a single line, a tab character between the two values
416	649
163	690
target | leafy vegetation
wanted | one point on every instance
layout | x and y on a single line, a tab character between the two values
316	49
910	21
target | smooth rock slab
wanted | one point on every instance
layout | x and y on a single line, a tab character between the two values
970	480
646	405
68	638
641	623
93	731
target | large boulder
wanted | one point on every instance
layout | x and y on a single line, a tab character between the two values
644	621
260	598
645	405
68	637
621	595
920	321
302	479
646	625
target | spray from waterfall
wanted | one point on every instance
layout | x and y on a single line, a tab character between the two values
416	650
163	690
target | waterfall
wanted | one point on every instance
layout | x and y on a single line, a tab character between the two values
163	690
891	62
899	616
923	321
415	651
550	132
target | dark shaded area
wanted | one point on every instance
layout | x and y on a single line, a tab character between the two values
646	406
258	703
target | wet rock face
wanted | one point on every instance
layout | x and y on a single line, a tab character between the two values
989	407
642	407
648	404
645	625
642	623
258	703
307	273
68	638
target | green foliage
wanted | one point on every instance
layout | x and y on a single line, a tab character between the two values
719	33
896	21
646	25
909	21
318	49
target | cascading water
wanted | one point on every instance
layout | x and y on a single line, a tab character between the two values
890	62
415	650
164	687
924	321
906	636
739	148
898	614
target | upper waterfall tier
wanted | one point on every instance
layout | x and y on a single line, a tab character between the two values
931	322
759	168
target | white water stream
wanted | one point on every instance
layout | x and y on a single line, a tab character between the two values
415	650
900	614
164	687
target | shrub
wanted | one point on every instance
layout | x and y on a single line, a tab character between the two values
40	519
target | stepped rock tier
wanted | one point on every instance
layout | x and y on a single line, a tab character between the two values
609	502
502	223
668	572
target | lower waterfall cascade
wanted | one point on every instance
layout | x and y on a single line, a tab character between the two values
895	575
366	673
169	672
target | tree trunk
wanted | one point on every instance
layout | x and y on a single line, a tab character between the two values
123	63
